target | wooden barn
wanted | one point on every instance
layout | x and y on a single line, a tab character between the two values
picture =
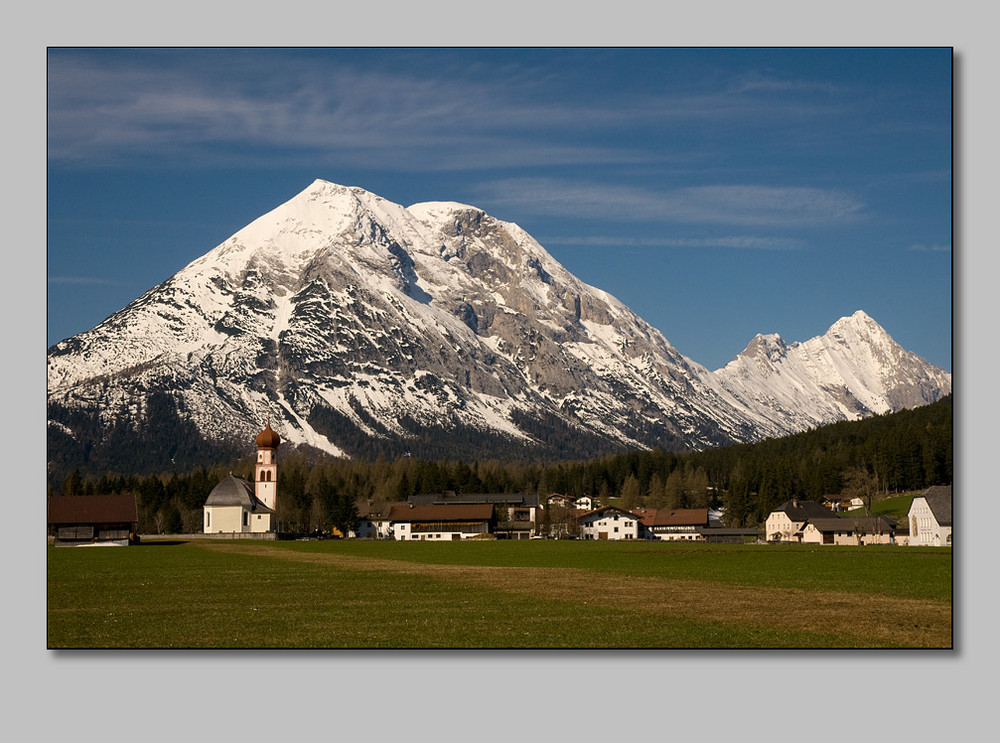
93	519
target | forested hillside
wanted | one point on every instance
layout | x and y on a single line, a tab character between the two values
896	452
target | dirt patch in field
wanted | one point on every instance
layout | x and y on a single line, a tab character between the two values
862	620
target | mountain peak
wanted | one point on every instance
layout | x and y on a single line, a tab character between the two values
858	319
361	327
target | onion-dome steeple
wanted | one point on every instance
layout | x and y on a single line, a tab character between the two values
268	439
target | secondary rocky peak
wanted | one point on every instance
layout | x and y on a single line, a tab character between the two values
770	346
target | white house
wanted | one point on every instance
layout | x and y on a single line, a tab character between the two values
610	522
584	503
373	520
558	499
930	518
784	524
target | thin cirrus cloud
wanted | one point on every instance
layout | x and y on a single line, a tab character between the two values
84	281
739	242
98	111
746	205
920	248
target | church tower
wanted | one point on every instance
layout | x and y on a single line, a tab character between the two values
266	477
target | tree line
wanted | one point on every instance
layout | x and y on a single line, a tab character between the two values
891	453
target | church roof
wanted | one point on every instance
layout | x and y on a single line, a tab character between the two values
235	491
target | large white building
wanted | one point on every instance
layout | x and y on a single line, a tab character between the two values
930	517
237	506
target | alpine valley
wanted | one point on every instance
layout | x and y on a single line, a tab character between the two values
358	327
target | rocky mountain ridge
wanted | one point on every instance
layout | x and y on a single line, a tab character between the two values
357	325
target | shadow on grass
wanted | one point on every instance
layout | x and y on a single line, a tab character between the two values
161	543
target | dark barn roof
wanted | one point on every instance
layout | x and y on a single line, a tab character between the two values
448	498
676	517
442	513
92	509
800	510
871	525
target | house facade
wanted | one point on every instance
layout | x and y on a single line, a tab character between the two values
860	530
784	524
930	518
373	520
610	523
838	503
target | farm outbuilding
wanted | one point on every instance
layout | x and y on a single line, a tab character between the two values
93	519
439	521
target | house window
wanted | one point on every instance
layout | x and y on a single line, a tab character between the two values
208	519
246	518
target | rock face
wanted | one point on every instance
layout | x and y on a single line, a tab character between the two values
359	326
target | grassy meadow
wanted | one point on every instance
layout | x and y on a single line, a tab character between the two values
541	594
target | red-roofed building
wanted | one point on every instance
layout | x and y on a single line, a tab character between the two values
670	524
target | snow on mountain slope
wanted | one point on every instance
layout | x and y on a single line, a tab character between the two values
852	371
346	318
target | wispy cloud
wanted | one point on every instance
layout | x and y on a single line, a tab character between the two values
99	112
931	248
740	242
84	280
215	108
748	205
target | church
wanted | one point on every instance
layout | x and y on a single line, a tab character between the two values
237	506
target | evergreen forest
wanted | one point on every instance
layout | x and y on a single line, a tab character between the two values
883	455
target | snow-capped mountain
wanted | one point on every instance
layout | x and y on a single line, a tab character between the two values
346	319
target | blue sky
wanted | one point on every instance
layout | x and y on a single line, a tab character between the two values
719	193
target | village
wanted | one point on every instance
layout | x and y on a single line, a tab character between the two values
238	509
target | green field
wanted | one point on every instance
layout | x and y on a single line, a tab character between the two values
497	594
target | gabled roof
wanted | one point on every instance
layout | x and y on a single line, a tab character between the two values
442	512
507	499
608	509
235	491
560	497
374	511
92	509
800	510
676	517
938	500
871	524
